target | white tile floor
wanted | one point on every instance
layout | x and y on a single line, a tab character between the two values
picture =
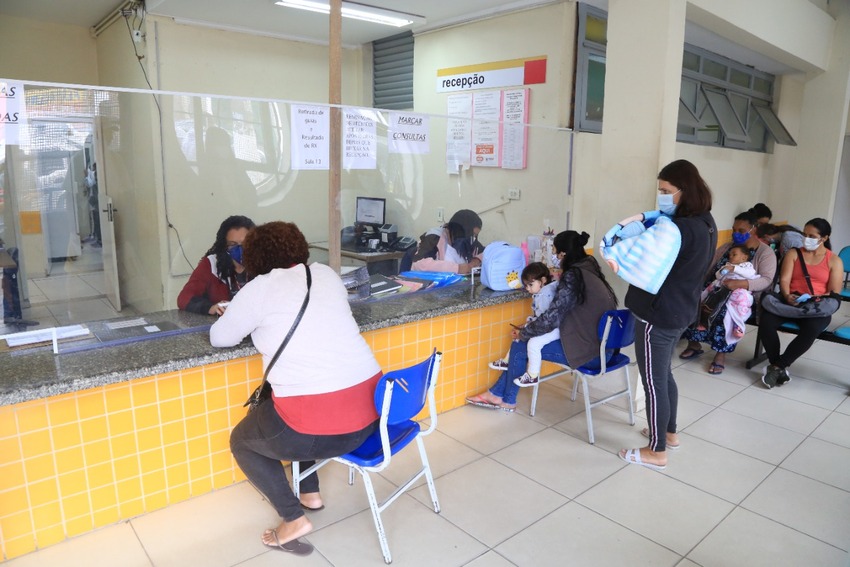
762	478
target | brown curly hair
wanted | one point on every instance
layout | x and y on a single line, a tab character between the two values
274	245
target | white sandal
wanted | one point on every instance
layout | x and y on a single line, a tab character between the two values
632	456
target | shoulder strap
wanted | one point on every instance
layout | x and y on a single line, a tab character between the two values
805	270
294	324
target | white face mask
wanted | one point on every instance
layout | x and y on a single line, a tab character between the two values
811	244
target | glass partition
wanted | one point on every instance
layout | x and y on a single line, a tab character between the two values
111	197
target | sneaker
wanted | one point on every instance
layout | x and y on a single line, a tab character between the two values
771	375
783	377
526	380
499	364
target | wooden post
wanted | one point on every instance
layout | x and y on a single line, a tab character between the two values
335	98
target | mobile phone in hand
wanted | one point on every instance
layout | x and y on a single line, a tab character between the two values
803	298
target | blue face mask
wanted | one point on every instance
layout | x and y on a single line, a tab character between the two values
740	237
236	253
664	203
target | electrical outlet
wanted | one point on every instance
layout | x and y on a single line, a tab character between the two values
514	194
440	214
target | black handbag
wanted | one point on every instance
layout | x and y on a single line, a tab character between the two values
264	391
818	306
713	304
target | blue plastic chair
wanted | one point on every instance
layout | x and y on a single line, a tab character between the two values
845	257
399	396
616	330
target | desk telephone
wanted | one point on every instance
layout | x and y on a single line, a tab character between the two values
357	238
402	244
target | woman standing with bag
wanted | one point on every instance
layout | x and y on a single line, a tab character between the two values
808	275
323	384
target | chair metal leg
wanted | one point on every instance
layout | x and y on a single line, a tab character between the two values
576	378
587	407
376	516
629	396
428	476
534	399
297	475
296	478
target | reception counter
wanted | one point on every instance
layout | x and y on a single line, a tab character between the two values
93	437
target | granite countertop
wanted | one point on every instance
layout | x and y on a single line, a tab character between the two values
35	373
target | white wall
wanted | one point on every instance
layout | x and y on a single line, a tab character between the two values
841	218
544	31
40	51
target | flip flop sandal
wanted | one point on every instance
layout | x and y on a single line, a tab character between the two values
716	368
632	456
316	509
645	433
295	547
695	353
481	403
507	409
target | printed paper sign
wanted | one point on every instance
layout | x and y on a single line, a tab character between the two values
408	133
514	129
359	138
13	117
310	132
458	132
486	108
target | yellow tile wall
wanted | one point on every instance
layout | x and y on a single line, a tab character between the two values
80	461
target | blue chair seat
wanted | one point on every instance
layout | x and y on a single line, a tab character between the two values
371	452
843	332
594	367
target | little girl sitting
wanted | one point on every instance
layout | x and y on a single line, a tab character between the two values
538	282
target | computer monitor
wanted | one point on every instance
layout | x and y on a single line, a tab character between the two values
370	211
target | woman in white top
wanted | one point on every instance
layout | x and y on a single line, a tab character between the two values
323	384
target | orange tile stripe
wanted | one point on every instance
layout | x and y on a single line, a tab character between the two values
80	461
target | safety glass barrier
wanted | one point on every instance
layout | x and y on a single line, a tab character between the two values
109	198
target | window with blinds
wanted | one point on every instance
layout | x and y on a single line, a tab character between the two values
392	72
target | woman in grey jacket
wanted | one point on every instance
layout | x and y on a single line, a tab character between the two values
582	297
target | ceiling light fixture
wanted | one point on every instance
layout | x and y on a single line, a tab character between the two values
357	12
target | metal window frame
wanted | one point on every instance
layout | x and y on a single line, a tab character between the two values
392	72
585	49
774	126
722	108
733	135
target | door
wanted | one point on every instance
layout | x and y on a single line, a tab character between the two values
106	213
110	261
